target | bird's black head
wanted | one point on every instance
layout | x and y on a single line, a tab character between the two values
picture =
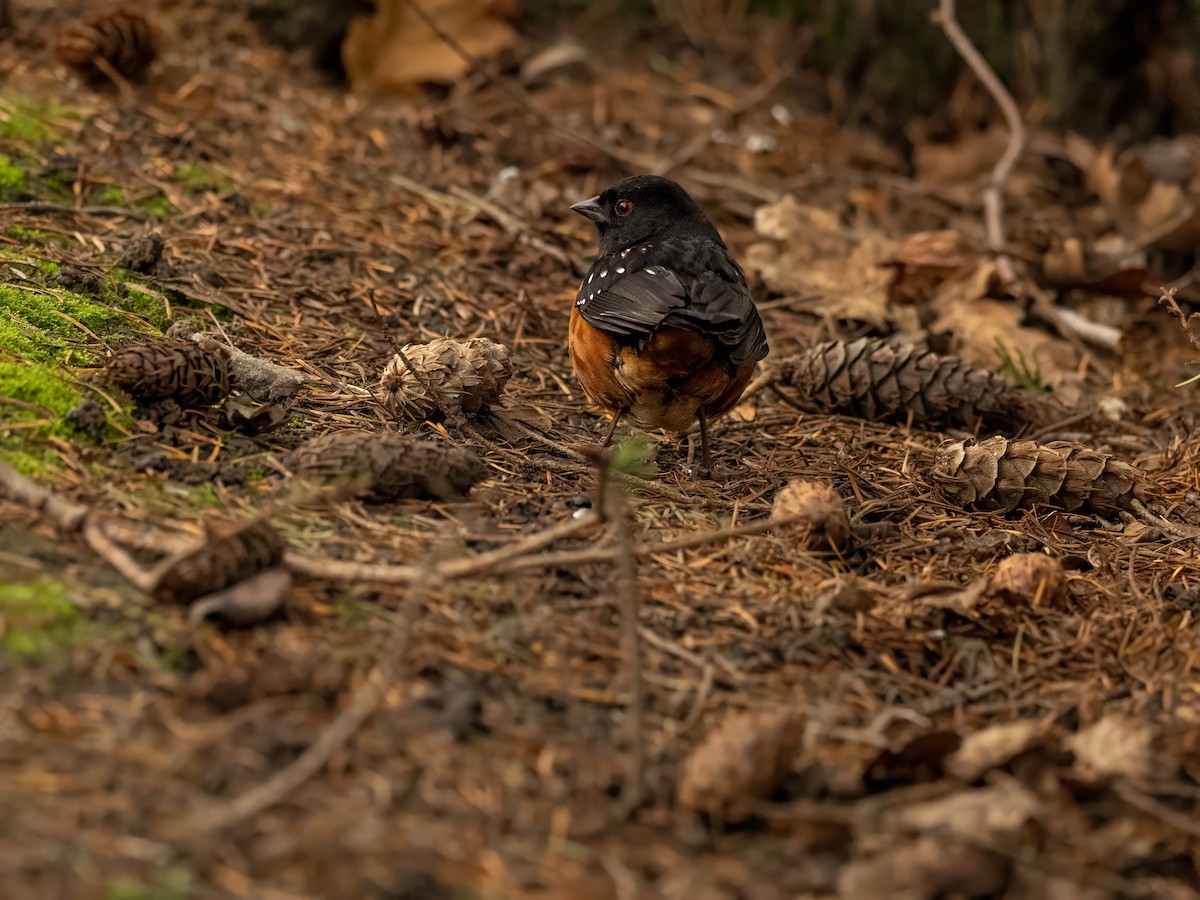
642	208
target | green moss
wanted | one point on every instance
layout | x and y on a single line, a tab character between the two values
33	235
38	618
51	395
156	206
40	385
198	177
203	495
111	195
12	180
169	883
54	325
34	121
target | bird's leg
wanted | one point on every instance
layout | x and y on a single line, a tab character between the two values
705	470
612	429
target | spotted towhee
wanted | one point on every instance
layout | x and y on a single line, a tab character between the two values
664	329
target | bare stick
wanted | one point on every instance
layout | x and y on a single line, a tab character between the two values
65	515
1189	324
364	702
993	196
634	788
340	570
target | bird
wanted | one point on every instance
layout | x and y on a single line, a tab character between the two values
664	330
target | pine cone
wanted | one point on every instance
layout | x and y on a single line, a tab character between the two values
816	513
386	466
174	370
1029	579
122	39
1000	475
229	555
466	377
880	379
739	763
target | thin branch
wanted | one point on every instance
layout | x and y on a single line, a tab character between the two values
480	564
993	196
364	702
634	788
1189	324
65	515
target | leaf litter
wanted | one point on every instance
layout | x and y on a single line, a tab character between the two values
1034	737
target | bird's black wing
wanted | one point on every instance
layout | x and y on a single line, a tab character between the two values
689	285
628	299
725	310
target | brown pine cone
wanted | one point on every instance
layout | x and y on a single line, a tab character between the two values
739	763
1000	475
465	377
175	370
121	39
883	379
229	555
386	466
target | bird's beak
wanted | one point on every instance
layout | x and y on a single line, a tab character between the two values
590	209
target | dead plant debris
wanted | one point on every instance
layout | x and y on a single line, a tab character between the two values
170	370
119	40
387	466
446	377
817	514
739	763
996	703
882	379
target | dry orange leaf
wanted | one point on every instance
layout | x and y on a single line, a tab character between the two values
395	51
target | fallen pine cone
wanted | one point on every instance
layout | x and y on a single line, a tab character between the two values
229	555
455	377
1001	475
739	764
174	370
121	40
875	378
1029	579
815	513
385	466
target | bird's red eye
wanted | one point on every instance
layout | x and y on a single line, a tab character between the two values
624	207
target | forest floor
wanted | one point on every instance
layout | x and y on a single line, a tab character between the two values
472	737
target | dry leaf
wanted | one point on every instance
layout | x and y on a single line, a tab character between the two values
1115	747
395	51
1151	197
837	273
982	330
995	747
968	159
922	870
924	261
995	811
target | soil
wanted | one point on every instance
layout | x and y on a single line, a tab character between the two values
475	735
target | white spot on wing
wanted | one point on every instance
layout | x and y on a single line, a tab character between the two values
590	277
624	253
651	272
604	274
620	271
